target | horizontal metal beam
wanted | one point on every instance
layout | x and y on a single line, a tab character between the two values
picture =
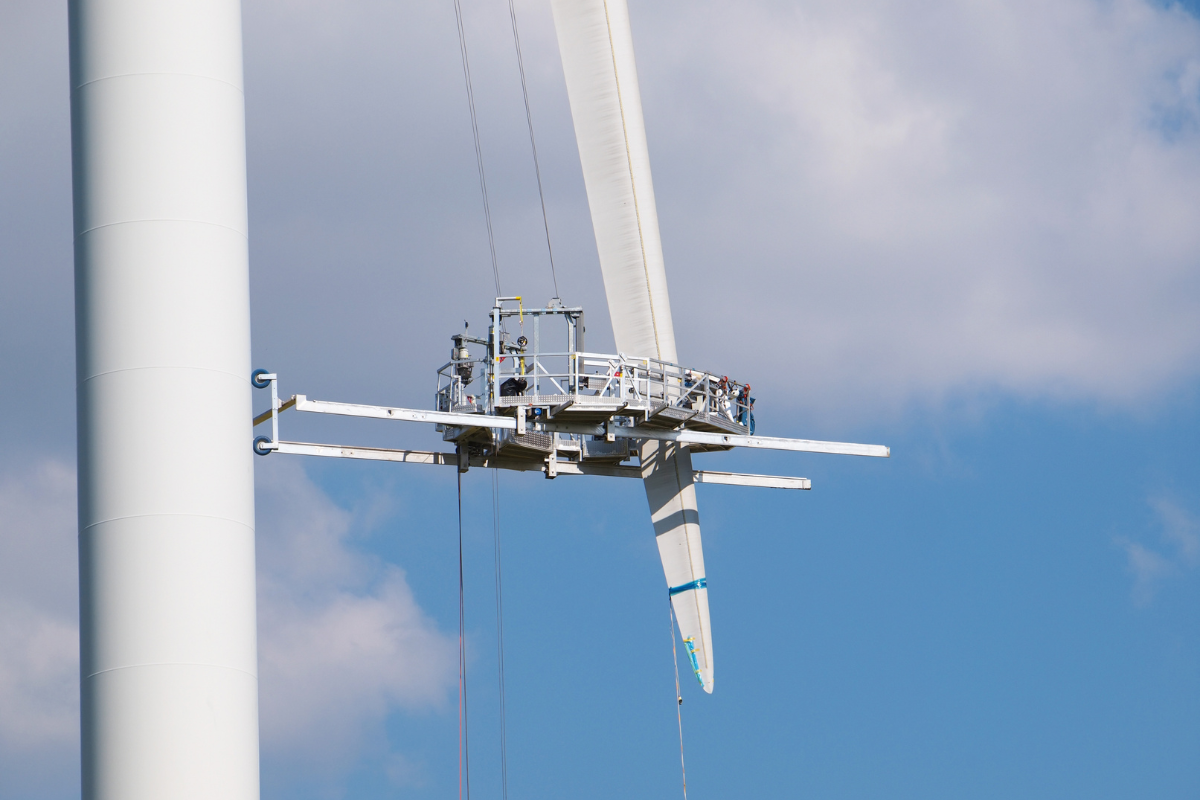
741	479
403	414
450	459
367	453
623	432
526	465
759	442
560	467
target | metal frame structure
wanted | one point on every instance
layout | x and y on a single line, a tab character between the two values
573	376
596	407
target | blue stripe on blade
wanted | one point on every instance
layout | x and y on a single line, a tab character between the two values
699	583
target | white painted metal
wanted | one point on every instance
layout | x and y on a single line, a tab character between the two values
449	459
741	479
436	458
302	403
596	46
166	532
367	453
760	442
403	414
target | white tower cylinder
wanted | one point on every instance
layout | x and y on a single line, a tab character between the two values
166	504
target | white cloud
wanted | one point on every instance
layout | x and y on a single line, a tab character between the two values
342	641
39	641
865	205
1181	533
1180	529
874	204
39	679
39	632
1149	569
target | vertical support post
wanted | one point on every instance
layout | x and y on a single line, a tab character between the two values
168	662
274	408
493	350
570	354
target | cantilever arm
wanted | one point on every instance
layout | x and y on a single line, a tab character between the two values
522	465
624	432
761	442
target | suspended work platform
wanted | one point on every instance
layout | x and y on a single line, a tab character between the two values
522	406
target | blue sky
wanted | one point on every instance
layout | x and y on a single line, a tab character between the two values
963	230
963	620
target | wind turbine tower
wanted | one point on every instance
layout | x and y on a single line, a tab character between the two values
166	502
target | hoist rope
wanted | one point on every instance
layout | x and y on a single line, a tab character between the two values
678	697
464	757
487	210
500	634
512	12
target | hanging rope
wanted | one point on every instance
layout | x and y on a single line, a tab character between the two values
500	633
678	697
487	210
464	758
512	12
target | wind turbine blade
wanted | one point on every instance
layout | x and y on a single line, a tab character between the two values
596	46
606	106
667	474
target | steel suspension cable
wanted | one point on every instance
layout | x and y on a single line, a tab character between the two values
500	634
487	210
464	753
678	697
512	12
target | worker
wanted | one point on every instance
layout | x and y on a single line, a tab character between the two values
722	397
513	387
